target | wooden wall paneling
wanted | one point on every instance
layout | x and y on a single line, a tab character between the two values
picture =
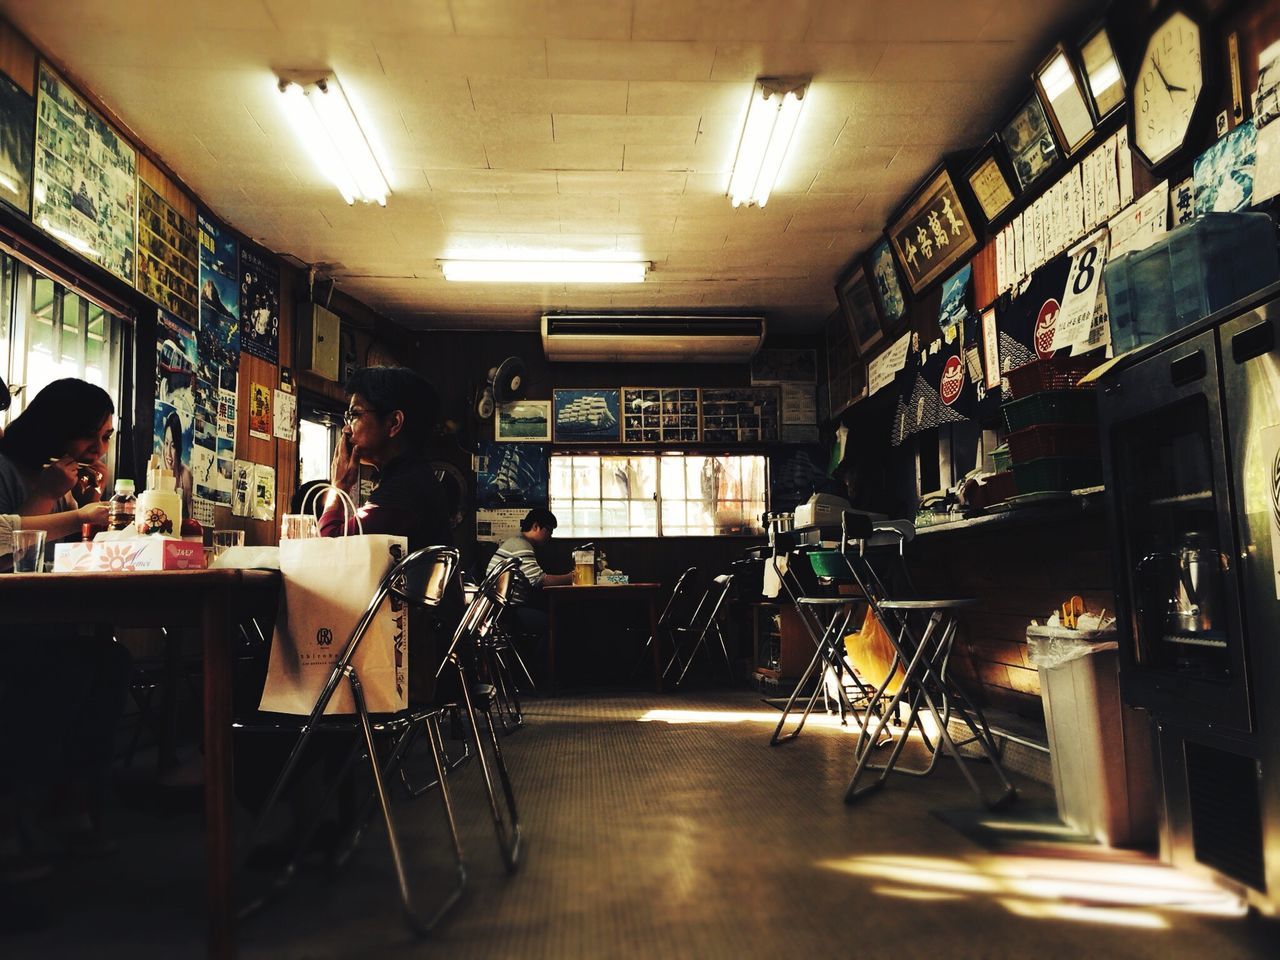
985	287
159	180
18	57
286	451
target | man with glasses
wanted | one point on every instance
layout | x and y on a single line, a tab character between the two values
390	416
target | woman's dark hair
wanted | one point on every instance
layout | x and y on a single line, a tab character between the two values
5	397
387	389
63	411
295	505
173	424
540	516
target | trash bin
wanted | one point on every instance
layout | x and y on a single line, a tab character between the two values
1100	749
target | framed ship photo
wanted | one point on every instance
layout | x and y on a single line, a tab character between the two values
586	416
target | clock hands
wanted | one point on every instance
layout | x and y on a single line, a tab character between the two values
1167	85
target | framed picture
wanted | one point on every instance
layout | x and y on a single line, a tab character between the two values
840	363
660	415
990	338
740	414
1063	95
586	416
523	421
933	232
17	136
784	366
1104	80
85	178
1030	143
887	285
854	294
168	256
992	180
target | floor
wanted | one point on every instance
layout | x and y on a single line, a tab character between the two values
665	826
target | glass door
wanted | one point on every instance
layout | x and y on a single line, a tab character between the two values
1183	648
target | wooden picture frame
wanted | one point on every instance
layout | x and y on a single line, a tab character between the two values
859	307
1063	97
661	415
1102	73
1028	138
992	181
933	232
841	362
886	284
522	421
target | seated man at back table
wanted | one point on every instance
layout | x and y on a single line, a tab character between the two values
531	606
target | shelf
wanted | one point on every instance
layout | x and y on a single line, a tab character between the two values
1184	499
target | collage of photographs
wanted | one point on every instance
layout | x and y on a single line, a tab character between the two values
740	414
660	415
167	255
85	179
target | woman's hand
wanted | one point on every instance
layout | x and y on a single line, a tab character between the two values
89	480
94	513
346	464
56	478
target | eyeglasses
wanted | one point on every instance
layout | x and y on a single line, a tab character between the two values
351	416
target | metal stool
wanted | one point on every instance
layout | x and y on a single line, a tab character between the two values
926	658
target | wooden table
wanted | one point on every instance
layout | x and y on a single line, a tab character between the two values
573	594
205	599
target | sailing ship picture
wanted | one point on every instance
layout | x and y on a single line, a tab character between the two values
586	416
510	475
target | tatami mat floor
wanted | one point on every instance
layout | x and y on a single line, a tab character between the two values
666	827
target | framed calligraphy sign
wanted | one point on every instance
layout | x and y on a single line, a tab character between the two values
933	232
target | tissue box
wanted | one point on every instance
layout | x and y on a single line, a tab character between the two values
613	578
136	553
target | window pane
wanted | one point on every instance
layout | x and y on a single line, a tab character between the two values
97	350
616	518
561	478
586	478
644	518
42	365
673	477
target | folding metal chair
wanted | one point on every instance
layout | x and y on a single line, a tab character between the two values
419	579
705	620
497	653
679	610
479	621
828	642
923	652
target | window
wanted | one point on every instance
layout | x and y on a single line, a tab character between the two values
316	433
48	331
665	495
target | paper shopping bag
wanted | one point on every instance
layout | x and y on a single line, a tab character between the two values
328	583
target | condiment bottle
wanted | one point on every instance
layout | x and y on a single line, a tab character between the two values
123	506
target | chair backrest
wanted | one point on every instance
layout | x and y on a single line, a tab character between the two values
483	610
710	604
678	602
423	577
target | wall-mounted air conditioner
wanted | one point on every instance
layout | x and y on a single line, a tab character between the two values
650	339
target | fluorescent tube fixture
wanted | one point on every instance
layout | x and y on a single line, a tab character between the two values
772	116
546	271
325	123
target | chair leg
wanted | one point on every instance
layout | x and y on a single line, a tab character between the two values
421	925
507	829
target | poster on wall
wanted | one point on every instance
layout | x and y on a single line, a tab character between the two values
173	431
586	416
259	411
219	296
523	421
740	414
225	446
204	450
511	474
167	255
17	144
259	305
85	178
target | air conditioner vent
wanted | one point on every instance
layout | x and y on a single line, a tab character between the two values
641	339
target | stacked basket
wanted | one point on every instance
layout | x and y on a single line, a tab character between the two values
1053	426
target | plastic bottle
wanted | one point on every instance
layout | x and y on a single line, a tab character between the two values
123	506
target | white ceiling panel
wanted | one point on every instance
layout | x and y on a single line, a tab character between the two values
560	128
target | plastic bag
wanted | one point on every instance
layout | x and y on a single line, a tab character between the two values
1051	647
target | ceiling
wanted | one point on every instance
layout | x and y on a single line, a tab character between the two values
530	127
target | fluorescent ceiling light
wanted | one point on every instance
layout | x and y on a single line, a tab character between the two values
546	271
772	116
325	123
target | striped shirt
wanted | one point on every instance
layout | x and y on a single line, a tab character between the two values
522	550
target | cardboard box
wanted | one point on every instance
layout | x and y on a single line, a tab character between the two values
137	553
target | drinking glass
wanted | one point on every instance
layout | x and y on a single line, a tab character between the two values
28	551
223	540
298	526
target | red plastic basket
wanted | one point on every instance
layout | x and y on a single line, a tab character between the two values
1054	440
1050	374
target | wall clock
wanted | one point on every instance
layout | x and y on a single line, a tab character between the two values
1168	87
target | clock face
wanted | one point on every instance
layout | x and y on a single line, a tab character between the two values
1167	87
